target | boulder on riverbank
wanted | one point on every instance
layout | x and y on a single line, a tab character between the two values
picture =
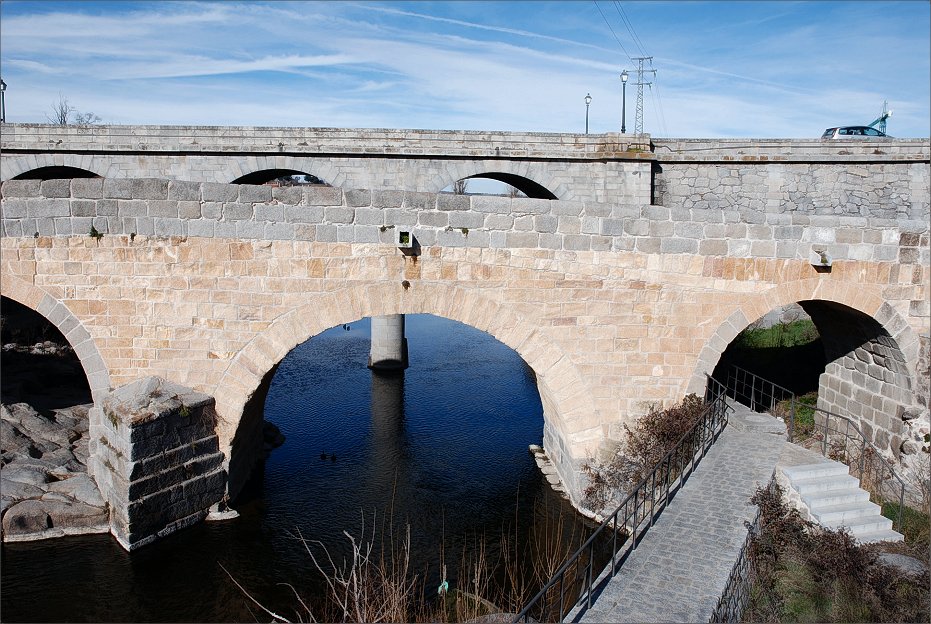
45	490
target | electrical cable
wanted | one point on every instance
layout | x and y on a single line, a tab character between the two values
612	30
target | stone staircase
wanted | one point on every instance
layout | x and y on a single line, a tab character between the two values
834	499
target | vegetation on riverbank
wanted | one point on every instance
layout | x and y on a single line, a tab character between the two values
780	335
806	573
376	581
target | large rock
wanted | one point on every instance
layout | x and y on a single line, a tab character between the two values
81	488
33	517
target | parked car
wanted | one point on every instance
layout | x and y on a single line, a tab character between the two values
854	132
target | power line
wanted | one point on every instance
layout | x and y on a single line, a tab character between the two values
611	29
630	27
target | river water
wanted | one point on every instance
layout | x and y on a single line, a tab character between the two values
441	448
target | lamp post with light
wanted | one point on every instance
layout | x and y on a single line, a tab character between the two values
2	101
624	101
588	100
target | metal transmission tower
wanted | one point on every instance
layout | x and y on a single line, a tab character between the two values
638	117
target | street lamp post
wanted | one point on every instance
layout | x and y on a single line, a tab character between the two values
588	100
624	101
2	101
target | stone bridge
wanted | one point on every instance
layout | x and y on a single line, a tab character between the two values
620	280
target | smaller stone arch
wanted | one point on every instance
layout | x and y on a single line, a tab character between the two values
529	178
58	314
243	170
49	166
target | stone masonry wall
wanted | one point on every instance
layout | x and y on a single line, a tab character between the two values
879	190
169	208
154	452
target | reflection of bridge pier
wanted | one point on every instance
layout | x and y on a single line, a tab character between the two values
387	428
389	346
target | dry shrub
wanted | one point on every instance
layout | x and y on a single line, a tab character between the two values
804	572
653	435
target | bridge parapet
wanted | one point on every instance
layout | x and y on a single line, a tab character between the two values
322	141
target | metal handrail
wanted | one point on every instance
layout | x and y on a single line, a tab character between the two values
762	392
638	511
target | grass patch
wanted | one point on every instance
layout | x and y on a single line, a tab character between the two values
792	334
916	525
805	405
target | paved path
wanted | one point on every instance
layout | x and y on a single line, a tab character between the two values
679	570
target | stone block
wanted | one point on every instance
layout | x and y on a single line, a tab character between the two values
87	188
387	199
322	196
237	211
21	188
118	188
339	214
303	214
289	195
448	201
56	188
254	194
148	188
358	198
179	190
217	192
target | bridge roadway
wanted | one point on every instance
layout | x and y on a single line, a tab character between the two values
680	569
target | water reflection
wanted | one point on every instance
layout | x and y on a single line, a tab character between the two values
387	467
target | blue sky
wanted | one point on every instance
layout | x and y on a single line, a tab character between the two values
724	69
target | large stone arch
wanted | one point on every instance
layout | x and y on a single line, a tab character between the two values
535	173
237	167
864	298
572	426
58	314
10	167
871	351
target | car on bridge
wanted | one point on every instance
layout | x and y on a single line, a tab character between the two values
854	132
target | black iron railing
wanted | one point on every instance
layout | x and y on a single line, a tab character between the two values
573	582
735	598
761	395
835	436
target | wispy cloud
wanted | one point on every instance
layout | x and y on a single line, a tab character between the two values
724	69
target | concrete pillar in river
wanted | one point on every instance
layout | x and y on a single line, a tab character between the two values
389	346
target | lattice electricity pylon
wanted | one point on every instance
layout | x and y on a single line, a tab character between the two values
638	117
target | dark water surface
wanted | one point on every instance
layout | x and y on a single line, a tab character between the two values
443	448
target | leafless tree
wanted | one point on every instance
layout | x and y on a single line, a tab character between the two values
461	187
62	111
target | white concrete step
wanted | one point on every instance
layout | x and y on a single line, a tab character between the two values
863	524
826	498
809	471
835	500
845	512
825	484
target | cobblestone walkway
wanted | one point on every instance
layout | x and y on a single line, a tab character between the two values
679	570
